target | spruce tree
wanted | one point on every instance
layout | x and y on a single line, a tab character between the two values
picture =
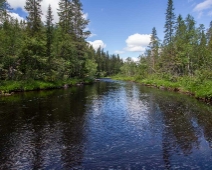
65	13
180	46
191	43
209	36
79	21
4	7
154	47
170	22
34	23
49	31
168	48
202	57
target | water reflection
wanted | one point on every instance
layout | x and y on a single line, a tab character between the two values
110	125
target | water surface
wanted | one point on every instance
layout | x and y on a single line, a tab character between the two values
108	125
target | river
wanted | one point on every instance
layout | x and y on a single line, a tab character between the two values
108	125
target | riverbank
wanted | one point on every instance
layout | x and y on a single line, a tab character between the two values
200	89
7	88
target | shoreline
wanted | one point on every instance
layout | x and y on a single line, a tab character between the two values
8	88
173	87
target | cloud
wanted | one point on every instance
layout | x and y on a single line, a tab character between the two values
14	15
206	4
200	15
137	42
17	4
135	59
54	6
92	35
119	52
97	43
44	6
85	16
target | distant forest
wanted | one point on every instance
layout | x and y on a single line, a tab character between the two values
49	51
186	51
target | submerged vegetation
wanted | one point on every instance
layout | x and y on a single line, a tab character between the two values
183	61
37	55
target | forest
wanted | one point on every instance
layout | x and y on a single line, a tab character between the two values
32	50
182	61
36	54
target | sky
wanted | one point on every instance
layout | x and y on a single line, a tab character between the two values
124	26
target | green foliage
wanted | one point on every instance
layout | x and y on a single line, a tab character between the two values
183	62
34	24
90	67
27	85
36	55
170	22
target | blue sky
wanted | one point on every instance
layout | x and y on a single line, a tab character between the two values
124	26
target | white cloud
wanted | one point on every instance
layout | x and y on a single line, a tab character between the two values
119	52
85	16
200	15
135	59
14	15
97	43
44	6
92	35
137	42
206	4
54	5
17	4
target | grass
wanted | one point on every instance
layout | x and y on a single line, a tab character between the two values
191	85
29	85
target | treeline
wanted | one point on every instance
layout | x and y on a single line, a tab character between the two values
186	51
32	49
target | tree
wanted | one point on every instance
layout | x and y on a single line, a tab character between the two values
191	43
170	22
79	21
49	31
154	47
4	7
168	48
180	45
209	36
34	23
65	16
201	61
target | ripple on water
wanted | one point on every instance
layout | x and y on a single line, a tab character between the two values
110	125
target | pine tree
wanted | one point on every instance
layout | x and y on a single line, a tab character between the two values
170	22
34	22
49	31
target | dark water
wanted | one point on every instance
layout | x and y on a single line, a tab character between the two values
109	125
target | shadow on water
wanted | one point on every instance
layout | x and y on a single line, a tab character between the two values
108	125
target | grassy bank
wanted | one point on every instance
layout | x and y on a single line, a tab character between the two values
7	87
201	89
